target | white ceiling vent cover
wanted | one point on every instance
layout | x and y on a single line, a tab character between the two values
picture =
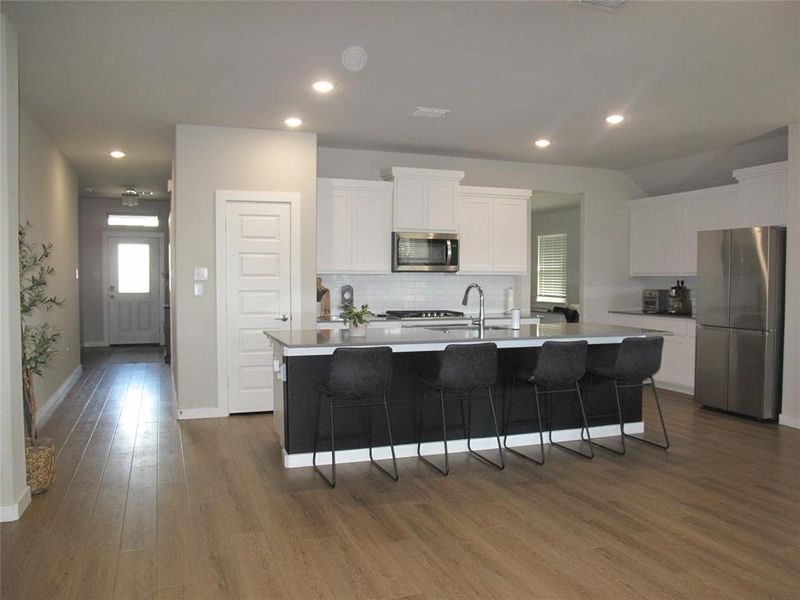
604	4
430	113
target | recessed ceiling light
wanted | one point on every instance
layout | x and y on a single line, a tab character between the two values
117	154
542	143
323	87
614	119
293	122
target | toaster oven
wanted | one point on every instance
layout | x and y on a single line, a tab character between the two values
655	301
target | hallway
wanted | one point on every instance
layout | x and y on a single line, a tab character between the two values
145	506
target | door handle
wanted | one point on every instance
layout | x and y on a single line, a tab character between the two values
283	318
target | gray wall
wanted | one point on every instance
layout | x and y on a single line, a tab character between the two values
605	282
559	221
208	159
92	221
48	191
790	412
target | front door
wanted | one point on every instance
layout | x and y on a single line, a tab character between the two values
133	289
258	297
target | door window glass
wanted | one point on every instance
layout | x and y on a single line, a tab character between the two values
133	268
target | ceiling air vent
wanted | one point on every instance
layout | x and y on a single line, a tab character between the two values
604	4
430	113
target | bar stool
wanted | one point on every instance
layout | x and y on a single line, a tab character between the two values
638	359
356	376
464	369
559	368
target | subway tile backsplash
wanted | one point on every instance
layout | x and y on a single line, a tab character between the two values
419	290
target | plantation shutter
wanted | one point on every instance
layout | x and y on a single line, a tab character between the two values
551	280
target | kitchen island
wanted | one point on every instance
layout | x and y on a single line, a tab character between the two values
301	365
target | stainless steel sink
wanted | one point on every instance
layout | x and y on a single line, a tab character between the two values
446	328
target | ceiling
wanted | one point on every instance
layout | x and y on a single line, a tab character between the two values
689	76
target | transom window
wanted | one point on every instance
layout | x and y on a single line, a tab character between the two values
132	220
551	270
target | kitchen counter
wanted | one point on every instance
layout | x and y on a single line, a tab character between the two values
639	313
302	362
310	342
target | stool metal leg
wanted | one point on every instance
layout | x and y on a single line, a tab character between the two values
590	455
446	469
396	474
501	465
666	443
622	434
332	480
540	460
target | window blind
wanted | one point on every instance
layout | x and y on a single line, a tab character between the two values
551	279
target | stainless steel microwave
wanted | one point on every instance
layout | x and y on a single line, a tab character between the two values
424	252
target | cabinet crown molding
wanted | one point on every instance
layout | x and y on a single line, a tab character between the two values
392	173
361	184
762	170
475	190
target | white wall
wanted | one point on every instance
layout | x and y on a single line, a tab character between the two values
559	221
419	290
14	492
92	220
208	159
48	190
790	412
605	283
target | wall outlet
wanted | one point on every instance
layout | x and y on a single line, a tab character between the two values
201	273
198	289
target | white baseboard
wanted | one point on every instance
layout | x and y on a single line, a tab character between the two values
100	344
12	512
188	414
53	402
789	421
292	461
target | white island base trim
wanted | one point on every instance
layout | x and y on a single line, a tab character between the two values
304	459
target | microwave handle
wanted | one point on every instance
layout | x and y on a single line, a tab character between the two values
449	260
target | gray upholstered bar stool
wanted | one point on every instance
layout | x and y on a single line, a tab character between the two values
464	369
358	378
638	359
559	367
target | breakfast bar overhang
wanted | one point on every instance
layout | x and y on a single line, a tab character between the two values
302	357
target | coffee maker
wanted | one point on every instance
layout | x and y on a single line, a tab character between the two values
679	299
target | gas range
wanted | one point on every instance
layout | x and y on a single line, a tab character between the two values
423	314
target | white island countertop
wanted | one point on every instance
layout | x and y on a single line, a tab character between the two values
311	342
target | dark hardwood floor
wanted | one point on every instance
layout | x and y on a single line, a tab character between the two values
145	506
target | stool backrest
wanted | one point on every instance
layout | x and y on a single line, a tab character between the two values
561	364
360	372
468	366
639	358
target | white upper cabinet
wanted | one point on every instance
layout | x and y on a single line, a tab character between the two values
663	229
354	226
424	199
493	230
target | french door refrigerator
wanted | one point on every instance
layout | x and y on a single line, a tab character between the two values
740	288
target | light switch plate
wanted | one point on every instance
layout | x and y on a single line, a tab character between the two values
198	289
201	273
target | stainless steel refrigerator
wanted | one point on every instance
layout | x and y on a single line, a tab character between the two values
740	289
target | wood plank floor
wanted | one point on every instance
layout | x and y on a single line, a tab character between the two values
148	507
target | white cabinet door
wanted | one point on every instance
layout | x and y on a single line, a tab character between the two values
763	200
371	231
510	235
704	215
411	205
334	230
441	198
668	242
474	229
643	235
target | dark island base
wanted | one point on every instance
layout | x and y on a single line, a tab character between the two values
306	373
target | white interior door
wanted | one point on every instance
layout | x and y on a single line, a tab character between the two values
133	289
258	297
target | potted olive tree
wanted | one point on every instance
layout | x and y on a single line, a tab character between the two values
356	318
39	345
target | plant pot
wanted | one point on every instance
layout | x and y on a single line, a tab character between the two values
40	464
358	330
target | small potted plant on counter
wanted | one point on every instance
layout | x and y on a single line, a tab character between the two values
356	318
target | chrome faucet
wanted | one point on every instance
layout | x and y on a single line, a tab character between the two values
481	320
